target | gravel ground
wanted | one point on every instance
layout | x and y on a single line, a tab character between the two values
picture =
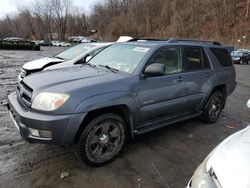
163	158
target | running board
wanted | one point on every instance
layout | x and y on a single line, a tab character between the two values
147	127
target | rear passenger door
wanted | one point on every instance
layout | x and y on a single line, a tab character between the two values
197	69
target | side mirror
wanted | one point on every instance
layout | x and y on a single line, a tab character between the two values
84	60
155	69
248	103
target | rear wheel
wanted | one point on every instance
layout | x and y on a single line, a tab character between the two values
102	139
213	108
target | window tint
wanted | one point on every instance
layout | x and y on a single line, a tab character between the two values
170	57
222	56
192	58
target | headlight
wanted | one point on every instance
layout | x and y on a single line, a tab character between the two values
49	101
201	178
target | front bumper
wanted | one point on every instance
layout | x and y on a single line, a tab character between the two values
63	128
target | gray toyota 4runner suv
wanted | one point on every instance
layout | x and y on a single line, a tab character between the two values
125	90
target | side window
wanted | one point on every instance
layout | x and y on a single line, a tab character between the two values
170	57
192	58
222	56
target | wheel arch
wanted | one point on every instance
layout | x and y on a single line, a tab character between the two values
222	88
121	109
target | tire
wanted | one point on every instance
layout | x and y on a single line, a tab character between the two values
102	140
213	108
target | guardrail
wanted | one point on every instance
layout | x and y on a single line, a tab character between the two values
18	45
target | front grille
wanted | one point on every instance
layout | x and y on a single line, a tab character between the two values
24	94
23	73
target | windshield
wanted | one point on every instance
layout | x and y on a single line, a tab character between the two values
120	57
73	52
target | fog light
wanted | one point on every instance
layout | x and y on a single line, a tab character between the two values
34	132
45	134
40	133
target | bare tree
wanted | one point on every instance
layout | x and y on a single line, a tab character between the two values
60	13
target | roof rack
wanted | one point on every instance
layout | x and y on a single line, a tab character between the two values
145	39
174	40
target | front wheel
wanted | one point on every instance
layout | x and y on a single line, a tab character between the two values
102	139
213	108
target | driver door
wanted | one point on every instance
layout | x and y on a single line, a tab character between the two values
162	96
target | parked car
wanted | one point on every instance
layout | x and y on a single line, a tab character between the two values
78	39
240	57
55	42
61	44
44	43
227	166
243	50
67	57
125	90
13	39
86	40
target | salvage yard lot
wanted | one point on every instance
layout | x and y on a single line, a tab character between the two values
162	158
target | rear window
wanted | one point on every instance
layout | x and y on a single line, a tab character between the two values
222	56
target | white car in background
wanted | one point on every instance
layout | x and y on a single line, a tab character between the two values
78	54
228	165
60	44
69	57
78	39
55	42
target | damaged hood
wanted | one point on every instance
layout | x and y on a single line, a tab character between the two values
230	160
41	63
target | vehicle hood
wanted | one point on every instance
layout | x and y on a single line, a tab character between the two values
41	63
62	65
230	160
69	79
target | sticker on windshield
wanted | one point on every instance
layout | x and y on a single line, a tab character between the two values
140	49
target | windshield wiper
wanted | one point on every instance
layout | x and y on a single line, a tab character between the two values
91	65
59	57
110	68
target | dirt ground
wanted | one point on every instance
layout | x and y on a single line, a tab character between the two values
163	158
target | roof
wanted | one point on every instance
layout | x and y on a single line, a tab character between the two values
99	43
176	41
